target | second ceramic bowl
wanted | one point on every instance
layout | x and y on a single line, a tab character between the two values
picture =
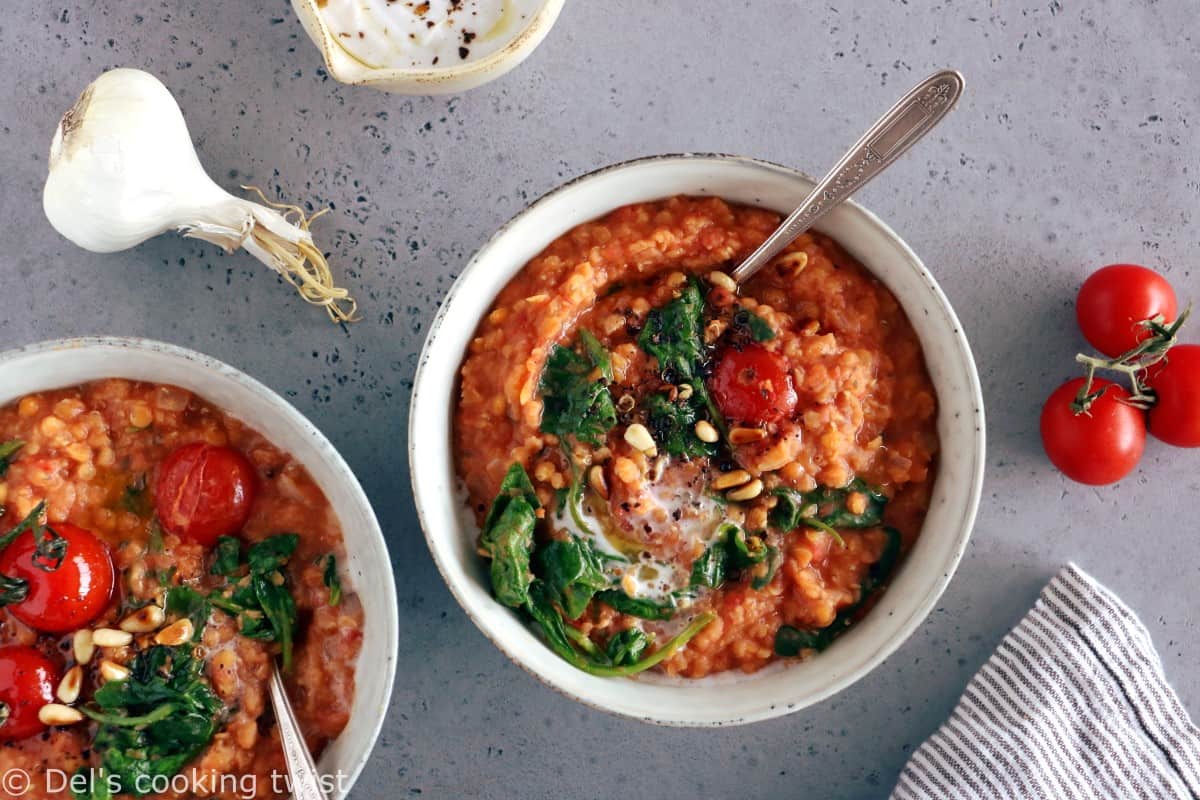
727	698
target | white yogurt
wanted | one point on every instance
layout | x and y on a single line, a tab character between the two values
425	34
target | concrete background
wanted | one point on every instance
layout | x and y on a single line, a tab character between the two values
1075	146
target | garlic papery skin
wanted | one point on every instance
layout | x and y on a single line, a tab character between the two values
123	170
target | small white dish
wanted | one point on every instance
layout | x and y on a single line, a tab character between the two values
67	362
432	81
725	699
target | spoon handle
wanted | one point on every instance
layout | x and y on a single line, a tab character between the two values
899	129
303	779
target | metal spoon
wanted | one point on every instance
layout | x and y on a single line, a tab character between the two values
899	129
302	771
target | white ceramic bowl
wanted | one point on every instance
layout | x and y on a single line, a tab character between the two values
725	699
448	80
53	365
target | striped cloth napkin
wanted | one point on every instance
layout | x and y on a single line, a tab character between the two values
1073	705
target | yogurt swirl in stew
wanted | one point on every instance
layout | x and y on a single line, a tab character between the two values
409	34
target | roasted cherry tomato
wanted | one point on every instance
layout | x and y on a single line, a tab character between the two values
753	385
1115	299
1175	417
204	492
1100	446
27	681
65	596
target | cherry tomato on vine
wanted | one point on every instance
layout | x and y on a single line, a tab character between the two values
1100	446
1115	299
27	681
1175	417
65	596
204	491
753	385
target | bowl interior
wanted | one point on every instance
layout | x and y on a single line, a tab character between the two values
728	698
57	364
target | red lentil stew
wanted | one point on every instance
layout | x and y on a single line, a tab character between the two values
674	473
159	556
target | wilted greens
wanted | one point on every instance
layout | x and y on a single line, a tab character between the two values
574	387
257	593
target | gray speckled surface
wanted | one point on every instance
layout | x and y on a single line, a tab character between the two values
1074	146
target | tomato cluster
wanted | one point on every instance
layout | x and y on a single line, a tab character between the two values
1094	430
202	492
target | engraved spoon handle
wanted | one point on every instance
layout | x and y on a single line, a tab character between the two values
305	783
899	129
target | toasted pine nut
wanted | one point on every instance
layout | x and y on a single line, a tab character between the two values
728	479
110	637
705	432
748	492
657	468
112	671
83	646
144	620
685	391
177	633
639	438
746	435
717	278
629	584
597	482
57	714
69	686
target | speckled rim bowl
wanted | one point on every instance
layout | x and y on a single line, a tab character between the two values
730	698
448	80
66	362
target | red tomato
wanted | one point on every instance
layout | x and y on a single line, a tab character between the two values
1099	447
27	681
66	598
753	385
1115	299
1175	417
205	491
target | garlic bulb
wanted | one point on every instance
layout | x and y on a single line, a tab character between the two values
123	170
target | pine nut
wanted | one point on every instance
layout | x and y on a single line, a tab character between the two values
729	479
109	637
83	646
57	714
629	584
597	482
144	620
717	278
176	633
639	438
685	391
746	435
72	682
112	671
658	468
705	432
748	492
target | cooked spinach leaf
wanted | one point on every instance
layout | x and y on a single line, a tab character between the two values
227	556
639	607
673	424
573	572
732	550
260	599
155	721
136	498
332	582
511	546
8	452
627	647
184	601
790	641
708	571
674	335
515	484
753	325
829	507
766	574
575	397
